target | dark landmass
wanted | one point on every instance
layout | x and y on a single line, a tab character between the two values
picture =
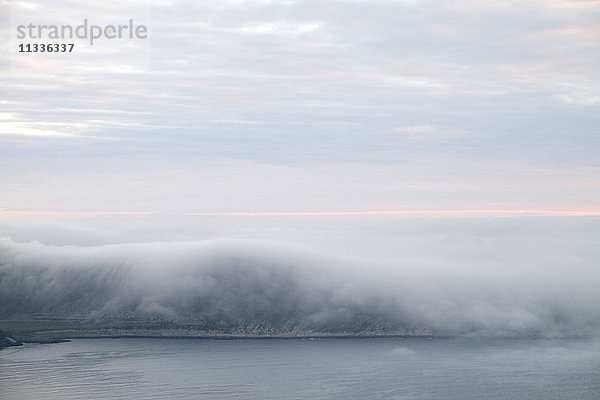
8	341
264	337
44	341
56	330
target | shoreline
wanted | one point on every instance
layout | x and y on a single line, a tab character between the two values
7	341
262	337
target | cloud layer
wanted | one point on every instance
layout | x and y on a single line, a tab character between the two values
390	103
464	277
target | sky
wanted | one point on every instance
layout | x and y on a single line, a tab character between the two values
276	147
305	108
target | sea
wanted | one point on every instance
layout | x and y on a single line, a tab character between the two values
317	368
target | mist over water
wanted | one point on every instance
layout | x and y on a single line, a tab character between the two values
510	276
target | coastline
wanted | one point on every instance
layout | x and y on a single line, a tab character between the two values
8	340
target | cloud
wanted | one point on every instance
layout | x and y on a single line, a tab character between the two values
332	86
506	277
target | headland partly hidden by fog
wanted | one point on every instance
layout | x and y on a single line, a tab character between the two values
263	277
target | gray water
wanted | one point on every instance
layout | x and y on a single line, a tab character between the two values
462	368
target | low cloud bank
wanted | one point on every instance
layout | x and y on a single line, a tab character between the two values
266	287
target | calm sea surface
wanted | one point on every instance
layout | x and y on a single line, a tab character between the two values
303	369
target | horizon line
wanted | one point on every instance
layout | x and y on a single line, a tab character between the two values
402	213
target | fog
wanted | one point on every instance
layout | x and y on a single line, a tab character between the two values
482	276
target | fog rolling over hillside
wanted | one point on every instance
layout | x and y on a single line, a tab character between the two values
519	276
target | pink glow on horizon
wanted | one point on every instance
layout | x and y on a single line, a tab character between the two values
408	213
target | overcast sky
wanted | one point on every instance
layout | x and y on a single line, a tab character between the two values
305	106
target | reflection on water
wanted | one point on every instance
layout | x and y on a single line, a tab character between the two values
301	369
